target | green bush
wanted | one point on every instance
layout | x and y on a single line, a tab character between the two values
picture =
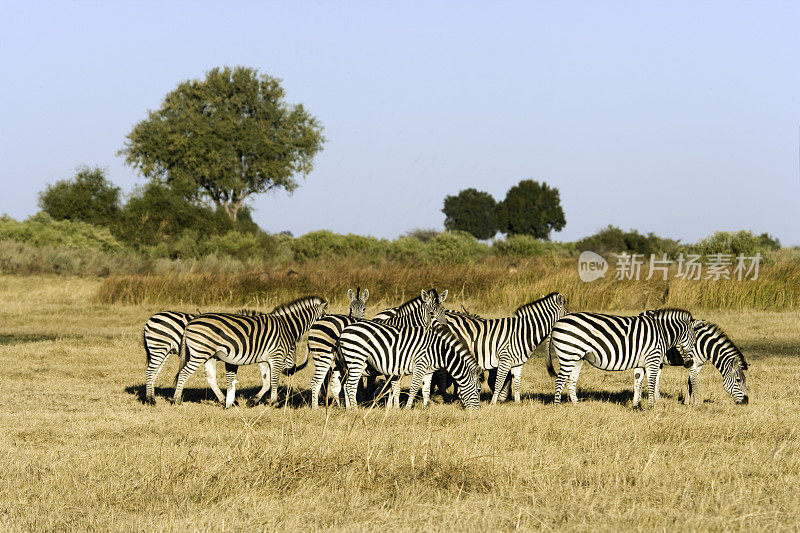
406	250
42	230
613	240
87	197
737	242
455	247
326	244
527	245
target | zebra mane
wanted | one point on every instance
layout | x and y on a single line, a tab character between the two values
300	303
528	305
667	312
249	312
728	343
408	306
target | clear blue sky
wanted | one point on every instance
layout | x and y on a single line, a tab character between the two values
677	118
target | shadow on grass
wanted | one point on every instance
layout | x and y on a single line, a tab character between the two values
7	339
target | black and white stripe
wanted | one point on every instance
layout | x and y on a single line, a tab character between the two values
506	343
242	340
711	344
612	342
162	336
395	352
323	338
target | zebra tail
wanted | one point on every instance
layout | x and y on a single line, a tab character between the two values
549	359
183	357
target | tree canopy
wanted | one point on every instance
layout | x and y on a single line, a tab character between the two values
531	208
225	138
472	211
87	197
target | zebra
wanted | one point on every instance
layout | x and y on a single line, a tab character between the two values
322	339
711	344
506	343
238	340
162	336
395	352
611	342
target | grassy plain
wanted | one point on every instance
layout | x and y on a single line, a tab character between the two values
80	451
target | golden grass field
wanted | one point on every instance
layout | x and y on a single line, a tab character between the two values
81	451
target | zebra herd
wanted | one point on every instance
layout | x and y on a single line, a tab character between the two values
436	347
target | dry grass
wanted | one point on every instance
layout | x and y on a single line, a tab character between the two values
486	286
80	451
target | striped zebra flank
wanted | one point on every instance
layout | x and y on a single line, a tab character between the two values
242	340
323	338
395	352
611	342
422	311
162	336
507	343
711	344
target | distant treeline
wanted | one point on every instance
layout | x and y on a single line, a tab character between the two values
42	244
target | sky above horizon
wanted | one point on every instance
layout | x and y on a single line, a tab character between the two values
679	118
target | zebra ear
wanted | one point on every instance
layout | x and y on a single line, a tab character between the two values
560	300
364	295
424	296
443	296
698	323
351	295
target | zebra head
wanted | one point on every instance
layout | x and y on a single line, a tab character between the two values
358	302
462	366
433	312
734	382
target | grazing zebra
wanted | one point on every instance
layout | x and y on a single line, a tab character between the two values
323	337
395	352
506	343
242	340
711	344
162	336
612	342
421	311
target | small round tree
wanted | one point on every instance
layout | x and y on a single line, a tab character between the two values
226	138
472	211
531	208
87	197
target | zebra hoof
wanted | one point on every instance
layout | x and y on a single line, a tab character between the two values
251	402
150	400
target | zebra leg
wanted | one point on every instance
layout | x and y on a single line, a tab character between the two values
322	365
351	384
502	372
211	378
573	381
230	377
394	400
638	376
416	383
426	389
652	383
336	386
155	363
188	369
268	379
275	374
516	382
658	381
693	386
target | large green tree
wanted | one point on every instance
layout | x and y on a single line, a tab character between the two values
472	211
531	208
88	196
225	138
